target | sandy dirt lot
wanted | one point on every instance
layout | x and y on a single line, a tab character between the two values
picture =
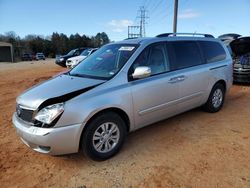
194	149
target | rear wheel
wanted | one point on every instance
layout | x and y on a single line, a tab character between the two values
216	99
104	136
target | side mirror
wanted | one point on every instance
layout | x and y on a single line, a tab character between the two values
141	72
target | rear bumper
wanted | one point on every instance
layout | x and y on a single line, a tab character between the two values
40	58
54	141
241	75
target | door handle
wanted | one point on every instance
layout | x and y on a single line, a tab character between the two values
177	79
181	78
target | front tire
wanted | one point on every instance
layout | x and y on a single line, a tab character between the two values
216	99
104	136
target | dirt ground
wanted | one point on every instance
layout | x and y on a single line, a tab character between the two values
194	149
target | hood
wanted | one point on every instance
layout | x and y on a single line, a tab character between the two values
240	46
79	58
55	90
229	36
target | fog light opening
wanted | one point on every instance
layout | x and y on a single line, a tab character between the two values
44	148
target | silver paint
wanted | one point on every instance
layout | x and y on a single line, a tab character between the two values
145	101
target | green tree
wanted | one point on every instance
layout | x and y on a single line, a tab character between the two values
101	39
54	44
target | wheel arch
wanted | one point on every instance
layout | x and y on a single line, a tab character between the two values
116	110
222	82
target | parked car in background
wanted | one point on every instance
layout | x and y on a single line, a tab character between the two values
33	56
239	48
73	61
40	56
120	88
241	58
229	36
227	39
26	57
61	60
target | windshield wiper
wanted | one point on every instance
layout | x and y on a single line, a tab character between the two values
67	73
88	76
78	75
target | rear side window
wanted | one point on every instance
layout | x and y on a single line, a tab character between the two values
184	54
213	51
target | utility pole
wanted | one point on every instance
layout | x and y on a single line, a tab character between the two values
139	30
175	16
143	18
133	32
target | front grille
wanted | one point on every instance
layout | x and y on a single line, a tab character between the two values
242	60
25	114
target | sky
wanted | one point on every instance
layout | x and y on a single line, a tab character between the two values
43	17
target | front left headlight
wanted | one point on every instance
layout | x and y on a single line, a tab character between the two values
75	62
48	114
61	59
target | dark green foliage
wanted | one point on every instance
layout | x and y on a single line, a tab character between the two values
52	45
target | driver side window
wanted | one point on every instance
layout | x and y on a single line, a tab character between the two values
154	57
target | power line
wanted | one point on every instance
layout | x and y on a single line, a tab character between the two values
151	4
161	15
156	6
160	10
147	3
144	3
139	30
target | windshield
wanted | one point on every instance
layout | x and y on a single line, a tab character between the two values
105	62
71	52
85	52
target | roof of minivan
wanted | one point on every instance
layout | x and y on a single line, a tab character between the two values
135	40
154	39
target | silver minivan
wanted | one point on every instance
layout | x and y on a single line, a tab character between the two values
122	87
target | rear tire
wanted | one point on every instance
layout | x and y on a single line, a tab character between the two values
216	99
104	136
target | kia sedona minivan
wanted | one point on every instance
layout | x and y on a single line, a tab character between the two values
120	88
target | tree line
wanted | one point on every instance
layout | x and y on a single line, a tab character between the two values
57	43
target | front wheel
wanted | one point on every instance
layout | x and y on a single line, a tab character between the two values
104	136
216	99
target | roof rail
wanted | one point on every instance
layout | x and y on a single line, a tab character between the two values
131	38
191	34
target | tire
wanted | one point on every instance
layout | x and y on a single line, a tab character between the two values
95	141
216	99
